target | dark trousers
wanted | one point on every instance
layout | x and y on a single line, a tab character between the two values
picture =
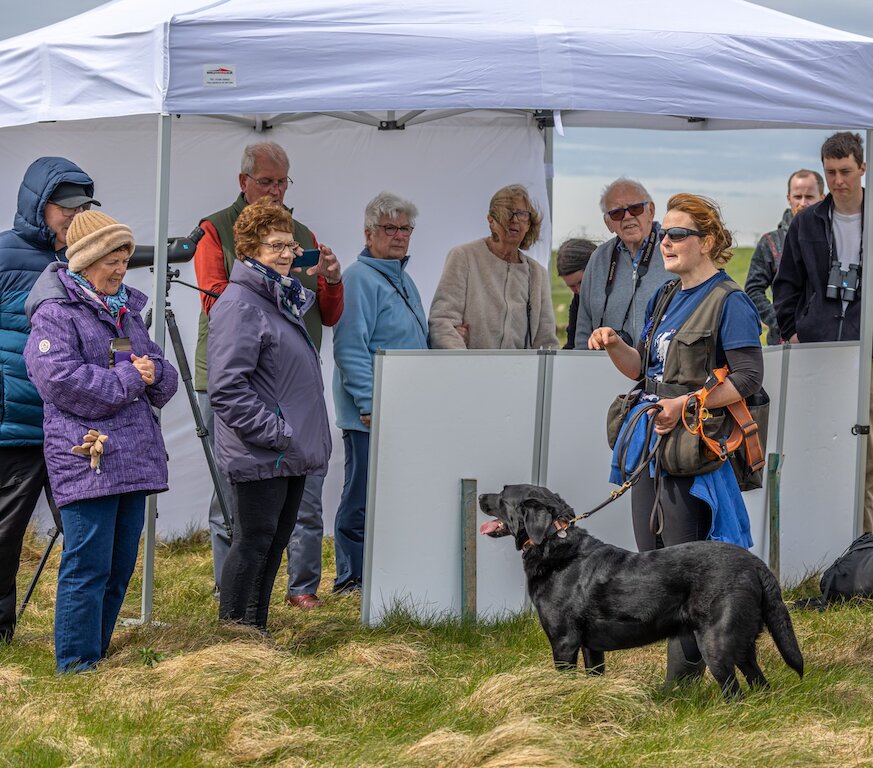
686	518
349	524
22	478
266	511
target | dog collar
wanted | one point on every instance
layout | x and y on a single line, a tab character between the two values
560	527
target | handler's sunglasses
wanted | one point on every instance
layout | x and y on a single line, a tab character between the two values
634	209
678	234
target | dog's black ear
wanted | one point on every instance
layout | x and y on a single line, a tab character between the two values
537	520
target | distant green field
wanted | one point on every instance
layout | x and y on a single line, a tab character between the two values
737	269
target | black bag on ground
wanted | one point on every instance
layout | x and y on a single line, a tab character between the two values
851	575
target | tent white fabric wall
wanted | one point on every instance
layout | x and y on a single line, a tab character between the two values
449	170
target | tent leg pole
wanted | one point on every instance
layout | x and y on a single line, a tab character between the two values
158	330
864	369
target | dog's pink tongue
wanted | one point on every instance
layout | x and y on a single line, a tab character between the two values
489	526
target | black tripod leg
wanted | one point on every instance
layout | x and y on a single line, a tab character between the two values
42	561
202	432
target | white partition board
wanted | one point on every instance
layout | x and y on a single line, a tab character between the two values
818	475
440	417
583	386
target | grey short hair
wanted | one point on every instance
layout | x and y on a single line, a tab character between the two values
269	149
622	182
389	206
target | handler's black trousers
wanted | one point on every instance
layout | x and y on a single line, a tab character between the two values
22	479
686	518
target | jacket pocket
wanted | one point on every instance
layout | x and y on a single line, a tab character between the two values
692	348
804	325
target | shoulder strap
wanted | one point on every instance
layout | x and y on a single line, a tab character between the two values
665	295
402	296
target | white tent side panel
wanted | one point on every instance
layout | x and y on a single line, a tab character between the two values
449	170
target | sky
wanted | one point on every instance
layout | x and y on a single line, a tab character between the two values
745	171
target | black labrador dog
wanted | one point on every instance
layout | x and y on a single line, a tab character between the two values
598	597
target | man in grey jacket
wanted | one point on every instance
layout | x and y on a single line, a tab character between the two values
625	271
805	188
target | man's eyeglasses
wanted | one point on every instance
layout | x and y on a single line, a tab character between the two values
269	183
70	212
520	215
634	209
678	234
279	247
393	229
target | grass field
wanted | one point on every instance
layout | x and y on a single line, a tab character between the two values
326	691
737	268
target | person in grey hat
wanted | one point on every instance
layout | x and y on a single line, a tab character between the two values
54	189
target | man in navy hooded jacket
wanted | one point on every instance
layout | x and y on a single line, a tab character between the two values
52	192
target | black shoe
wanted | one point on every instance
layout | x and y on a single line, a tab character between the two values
347	587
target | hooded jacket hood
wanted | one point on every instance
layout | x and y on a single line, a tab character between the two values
40	180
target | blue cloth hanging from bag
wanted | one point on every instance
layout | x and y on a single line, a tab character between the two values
718	490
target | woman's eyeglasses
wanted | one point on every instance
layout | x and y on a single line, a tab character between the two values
393	229
520	215
279	247
678	234
634	209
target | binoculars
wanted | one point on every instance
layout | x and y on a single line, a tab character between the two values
843	283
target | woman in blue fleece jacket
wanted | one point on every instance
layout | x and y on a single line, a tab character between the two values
382	311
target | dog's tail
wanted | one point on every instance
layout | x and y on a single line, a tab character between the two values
779	622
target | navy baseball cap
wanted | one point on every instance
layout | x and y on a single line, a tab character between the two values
69	195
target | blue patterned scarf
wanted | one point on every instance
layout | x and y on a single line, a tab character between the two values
289	291
116	303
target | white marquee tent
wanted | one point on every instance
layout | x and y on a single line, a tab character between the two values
463	89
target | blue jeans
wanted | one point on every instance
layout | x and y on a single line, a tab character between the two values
101	541
304	549
349	525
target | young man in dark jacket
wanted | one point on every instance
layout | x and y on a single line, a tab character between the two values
52	192
824	247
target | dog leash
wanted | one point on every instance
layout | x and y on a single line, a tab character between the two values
624	446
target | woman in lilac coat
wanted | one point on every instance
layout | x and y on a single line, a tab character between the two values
100	375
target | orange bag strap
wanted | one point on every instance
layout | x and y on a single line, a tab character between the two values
745	428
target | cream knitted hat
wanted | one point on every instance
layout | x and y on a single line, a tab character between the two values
92	235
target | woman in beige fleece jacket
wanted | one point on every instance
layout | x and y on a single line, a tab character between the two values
491	295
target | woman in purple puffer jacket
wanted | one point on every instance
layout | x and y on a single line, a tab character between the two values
100	375
265	386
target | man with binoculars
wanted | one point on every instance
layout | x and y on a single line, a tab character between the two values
817	289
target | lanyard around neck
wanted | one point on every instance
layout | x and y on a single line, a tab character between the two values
641	271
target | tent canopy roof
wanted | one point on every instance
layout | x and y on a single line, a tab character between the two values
731	64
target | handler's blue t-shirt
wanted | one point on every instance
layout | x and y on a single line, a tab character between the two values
740	324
